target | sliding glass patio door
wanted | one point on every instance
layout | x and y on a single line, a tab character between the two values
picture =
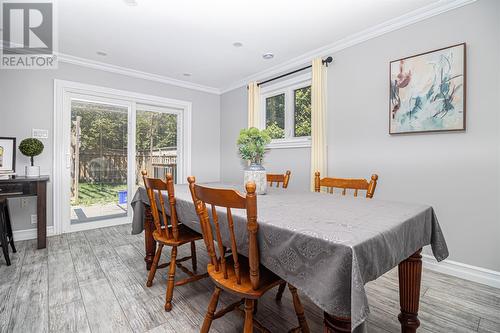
99	160
98	173
109	142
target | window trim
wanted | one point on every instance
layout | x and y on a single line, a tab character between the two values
288	88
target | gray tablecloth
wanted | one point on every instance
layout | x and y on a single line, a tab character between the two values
327	245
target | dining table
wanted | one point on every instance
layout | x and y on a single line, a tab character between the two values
328	246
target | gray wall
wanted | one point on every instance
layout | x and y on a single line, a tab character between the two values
26	102
457	173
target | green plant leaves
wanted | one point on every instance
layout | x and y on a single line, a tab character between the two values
252	144
31	147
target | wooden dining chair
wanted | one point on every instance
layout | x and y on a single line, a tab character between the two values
168	231
344	184
6	235
276	178
235	273
355	184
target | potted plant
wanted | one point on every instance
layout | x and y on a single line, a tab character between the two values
31	147
252	147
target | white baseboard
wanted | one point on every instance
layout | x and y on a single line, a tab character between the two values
467	272
20	235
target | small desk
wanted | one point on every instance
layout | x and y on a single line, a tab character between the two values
19	186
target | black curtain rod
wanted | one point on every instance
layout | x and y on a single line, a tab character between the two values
325	62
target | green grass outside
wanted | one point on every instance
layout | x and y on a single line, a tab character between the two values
91	194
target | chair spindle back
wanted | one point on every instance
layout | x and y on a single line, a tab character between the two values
355	184
279	179
228	199
158	186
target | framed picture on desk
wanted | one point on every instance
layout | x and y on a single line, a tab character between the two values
7	155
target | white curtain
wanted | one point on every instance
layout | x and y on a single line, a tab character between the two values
253	105
318	120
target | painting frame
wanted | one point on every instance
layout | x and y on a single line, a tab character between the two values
11	169
464	88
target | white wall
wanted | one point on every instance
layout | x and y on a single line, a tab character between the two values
27	101
457	173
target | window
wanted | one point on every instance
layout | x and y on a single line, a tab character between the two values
302	112
286	112
275	116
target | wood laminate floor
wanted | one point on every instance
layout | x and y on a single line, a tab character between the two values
94	281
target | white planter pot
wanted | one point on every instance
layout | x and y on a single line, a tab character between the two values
32	171
257	174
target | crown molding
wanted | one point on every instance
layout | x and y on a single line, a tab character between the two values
134	73
399	22
354	39
83	62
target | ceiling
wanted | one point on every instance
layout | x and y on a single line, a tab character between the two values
170	38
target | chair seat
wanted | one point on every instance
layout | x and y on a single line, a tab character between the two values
267	278
186	235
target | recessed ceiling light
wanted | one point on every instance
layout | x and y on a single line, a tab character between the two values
101	53
268	56
130	2
237	44
186	74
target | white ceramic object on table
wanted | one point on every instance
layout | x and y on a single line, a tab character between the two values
257	174
32	171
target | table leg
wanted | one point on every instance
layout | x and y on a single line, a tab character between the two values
333	324
41	212
149	241
410	274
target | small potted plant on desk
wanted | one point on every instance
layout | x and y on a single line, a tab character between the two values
31	147
252	147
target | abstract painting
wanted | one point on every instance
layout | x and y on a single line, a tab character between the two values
427	92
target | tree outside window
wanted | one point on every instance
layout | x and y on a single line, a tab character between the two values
302	112
275	116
